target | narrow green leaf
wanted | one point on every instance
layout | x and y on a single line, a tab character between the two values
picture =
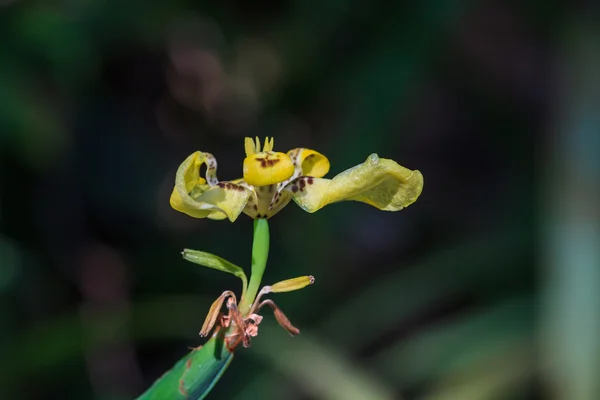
216	262
193	377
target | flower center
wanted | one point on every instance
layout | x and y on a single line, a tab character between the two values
264	168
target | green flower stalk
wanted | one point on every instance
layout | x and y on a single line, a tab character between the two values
195	375
270	181
260	255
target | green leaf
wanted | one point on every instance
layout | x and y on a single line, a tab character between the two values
216	262
193	377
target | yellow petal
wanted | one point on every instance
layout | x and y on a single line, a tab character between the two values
228	200
379	182
292	284
267	168
190	196
188	175
309	162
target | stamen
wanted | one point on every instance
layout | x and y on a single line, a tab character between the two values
249	146
257	144
268	144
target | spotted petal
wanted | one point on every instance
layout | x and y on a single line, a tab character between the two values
379	182
309	162
197	199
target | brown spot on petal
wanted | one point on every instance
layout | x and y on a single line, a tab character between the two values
302	183
294	188
310	180
262	161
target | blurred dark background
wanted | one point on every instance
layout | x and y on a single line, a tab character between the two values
485	288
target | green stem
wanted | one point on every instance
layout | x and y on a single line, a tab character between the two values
244	286
260	254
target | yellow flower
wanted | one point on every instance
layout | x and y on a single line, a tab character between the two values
271	179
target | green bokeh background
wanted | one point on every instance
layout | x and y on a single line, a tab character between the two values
101	100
